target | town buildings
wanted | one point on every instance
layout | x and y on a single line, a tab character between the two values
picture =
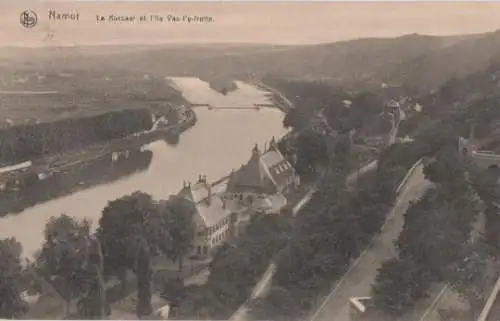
262	181
212	217
222	209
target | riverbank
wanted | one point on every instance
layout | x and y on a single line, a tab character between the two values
48	165
102	170
279	100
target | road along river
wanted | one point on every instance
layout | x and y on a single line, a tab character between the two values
220	141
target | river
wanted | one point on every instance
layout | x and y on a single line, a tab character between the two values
220	141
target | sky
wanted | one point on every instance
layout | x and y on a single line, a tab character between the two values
278	23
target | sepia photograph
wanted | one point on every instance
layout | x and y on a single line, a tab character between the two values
322	161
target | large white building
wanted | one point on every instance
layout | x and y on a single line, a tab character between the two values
212	218
256	187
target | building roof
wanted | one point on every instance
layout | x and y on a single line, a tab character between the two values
263	203
263	172
209	205
250	177
281	171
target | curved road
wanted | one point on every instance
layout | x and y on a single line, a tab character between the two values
242	313
358	280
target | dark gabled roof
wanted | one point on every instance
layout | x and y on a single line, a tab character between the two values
263	173
251	177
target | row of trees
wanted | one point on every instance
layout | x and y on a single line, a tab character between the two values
77	264
323	119
436	243
235	269
310	98
331	231
336	224
25	142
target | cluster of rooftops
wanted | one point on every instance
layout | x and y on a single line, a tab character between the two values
266	173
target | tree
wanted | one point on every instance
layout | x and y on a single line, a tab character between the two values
174	292
64	258
372	205
196	304
435	134
398	285
400	154
12	306
466	276
94	303
132	231
291	118
447	169
437	227
343	119
178	214
297	118
342	151
277	305
368	103
312	152
486	184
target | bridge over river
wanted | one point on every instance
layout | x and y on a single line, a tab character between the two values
234	107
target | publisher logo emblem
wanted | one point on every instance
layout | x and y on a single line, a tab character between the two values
28	19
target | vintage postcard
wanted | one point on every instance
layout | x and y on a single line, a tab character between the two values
250	161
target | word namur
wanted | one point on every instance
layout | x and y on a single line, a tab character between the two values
54	15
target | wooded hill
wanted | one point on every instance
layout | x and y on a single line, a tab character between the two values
423	62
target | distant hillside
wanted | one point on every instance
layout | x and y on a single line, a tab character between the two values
472	99
434	68
341	62
423	62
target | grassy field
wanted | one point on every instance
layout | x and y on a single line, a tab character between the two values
31	96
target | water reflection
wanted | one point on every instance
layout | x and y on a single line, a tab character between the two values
198	91
220	141
34	189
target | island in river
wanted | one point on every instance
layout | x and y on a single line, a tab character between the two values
222	140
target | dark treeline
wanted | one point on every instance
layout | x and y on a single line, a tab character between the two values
234	271
310	98
33	190
436	243
458	100
441	241
74	265
331	231
21	143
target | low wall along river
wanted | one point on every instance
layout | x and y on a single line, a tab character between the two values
220	141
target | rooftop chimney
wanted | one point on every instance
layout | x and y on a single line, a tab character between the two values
256	150
209	189
272	143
